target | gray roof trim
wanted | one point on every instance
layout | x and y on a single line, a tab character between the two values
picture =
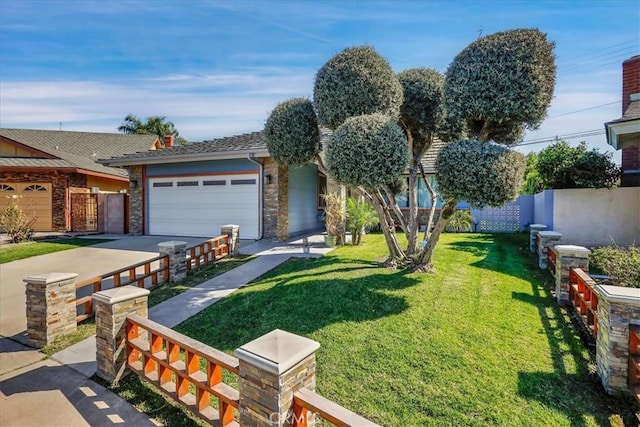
178	158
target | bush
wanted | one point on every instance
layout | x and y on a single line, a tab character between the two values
16	223
622	265
460	221
334	216
562	166
359	216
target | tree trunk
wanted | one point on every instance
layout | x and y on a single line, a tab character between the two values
434	203
388	228
424	262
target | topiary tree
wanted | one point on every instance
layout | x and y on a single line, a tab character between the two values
562	166
495	89
356	81
292	133
499	86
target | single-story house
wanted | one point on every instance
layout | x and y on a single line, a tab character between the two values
624	132
194	189
46	168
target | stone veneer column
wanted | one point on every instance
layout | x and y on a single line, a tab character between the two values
233	231
112	308
618	307
546	238
272	368
177	252
568	257
136	200
534	229
276	201
51	307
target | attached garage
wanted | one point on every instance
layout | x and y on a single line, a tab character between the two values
199	205
34	199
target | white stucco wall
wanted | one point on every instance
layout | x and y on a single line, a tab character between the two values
589	217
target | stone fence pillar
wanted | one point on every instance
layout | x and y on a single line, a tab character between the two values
618	307
534	229
233	231
177	252
546	238
568	257
51	308
112	308
272	368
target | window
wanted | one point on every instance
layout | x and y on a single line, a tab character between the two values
242	181
163	184
5	187
187	183
215	182
322	190
35	187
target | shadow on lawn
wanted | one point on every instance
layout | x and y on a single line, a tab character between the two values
254	311
578	395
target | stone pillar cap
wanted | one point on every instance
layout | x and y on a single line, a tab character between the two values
620	294
572	249
230	226
48	278
116	295
537	226
171	244
550	234
278	351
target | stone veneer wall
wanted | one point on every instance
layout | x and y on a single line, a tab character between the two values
612	342
136	201
276	202
60	182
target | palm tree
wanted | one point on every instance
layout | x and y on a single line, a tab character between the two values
461	220
154	125
359	216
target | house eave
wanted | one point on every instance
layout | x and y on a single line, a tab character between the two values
622	134
178	158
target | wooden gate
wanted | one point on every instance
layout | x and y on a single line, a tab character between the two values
84	212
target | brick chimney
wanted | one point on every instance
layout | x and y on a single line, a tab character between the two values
630	80
630	155
168	141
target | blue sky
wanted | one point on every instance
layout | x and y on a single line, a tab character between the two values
217	68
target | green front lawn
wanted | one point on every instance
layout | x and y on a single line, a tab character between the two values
481	342
30	249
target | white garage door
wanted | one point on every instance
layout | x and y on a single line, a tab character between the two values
199	206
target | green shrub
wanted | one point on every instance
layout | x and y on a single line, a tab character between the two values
360	215
15	222
460	221
622	265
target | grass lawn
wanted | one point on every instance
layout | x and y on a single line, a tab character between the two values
481	342
30	249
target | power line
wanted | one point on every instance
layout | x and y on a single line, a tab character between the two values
584	109
575	135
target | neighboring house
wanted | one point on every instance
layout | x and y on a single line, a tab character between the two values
46	168
624	133
194	189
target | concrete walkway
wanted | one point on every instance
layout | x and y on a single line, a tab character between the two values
58	391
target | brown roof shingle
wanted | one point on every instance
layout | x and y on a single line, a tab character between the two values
77	149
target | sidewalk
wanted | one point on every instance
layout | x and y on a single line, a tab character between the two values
58	391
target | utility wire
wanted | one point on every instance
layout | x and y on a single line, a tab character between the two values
583	134
584	109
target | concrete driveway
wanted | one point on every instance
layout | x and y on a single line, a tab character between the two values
87	262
